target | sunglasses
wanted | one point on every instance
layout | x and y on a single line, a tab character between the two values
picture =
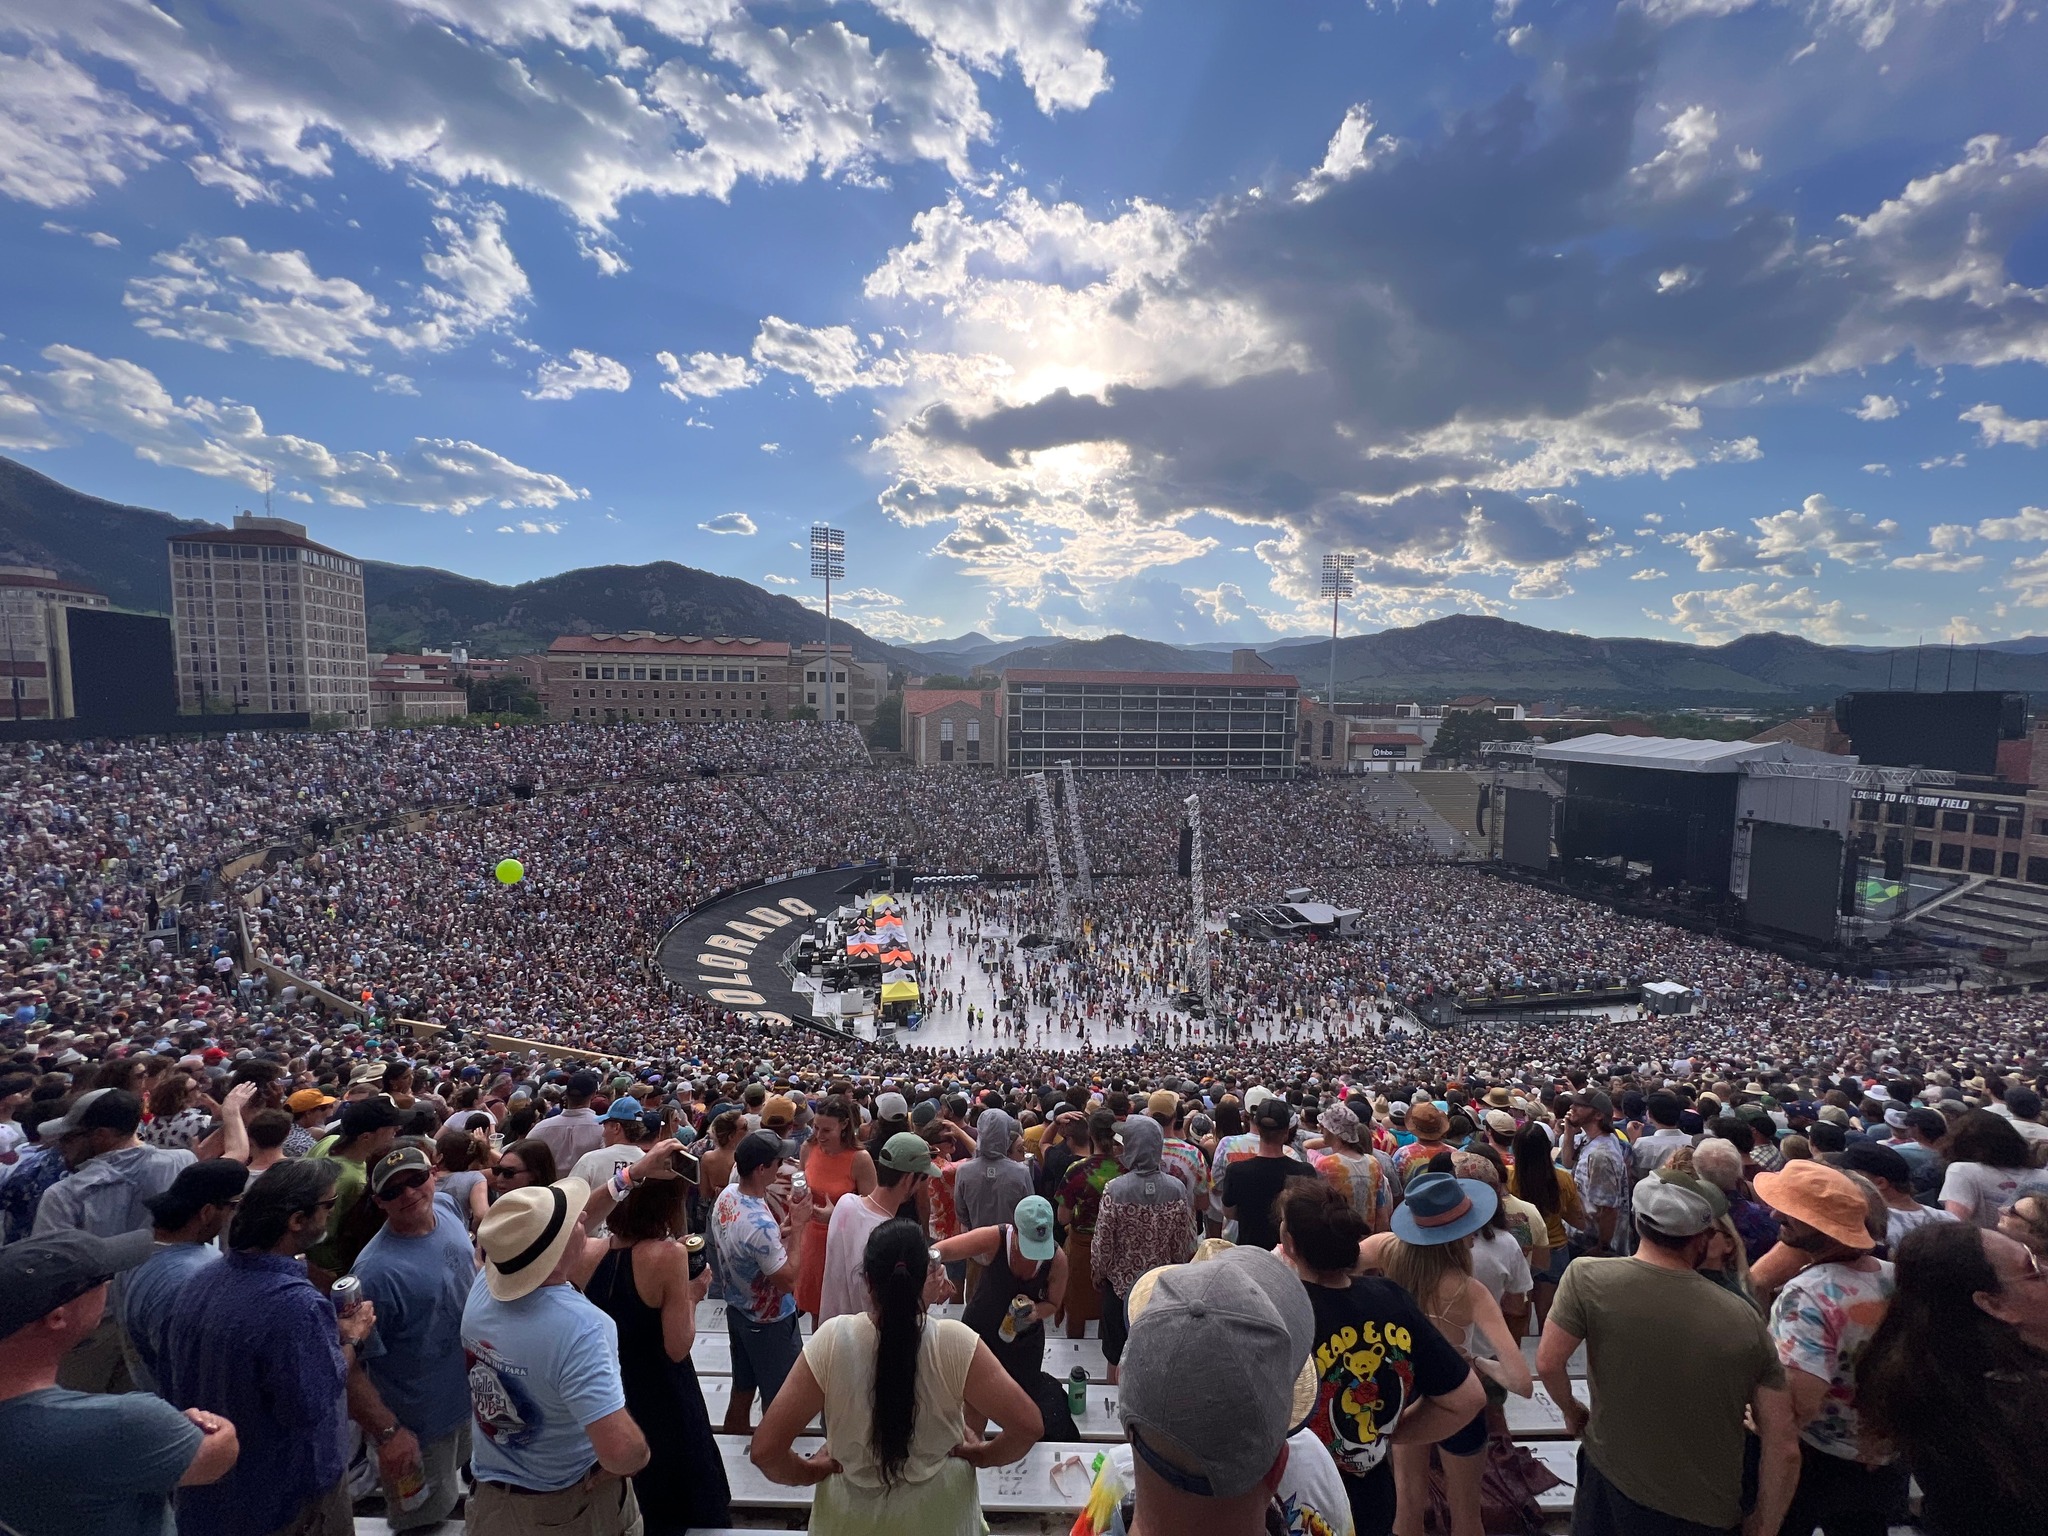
405	1184
507	1171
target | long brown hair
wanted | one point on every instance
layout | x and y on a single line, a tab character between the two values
1421	1269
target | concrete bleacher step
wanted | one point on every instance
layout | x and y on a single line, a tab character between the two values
711	1317
712	1356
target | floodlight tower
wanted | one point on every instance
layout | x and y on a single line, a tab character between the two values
1338	584
1084	877
828	562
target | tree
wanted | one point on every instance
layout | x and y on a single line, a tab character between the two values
949	680
505	693
1464	731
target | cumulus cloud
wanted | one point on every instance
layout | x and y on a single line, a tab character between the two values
1946	546
829	358
81	393
2028	525
1351	366
557	379
222	293
1714	616
1877	408
705	374
1648	573
731	523
1793	542
1995	427
530	525
584	104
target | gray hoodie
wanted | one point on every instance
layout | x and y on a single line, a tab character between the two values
989	1185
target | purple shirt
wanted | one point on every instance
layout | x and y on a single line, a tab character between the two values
258	1345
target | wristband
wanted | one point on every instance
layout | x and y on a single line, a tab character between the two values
620	1187
382	1438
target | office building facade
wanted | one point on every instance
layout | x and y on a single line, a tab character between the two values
1237	724
267	621
32	639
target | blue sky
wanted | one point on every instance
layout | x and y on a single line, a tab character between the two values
1678	318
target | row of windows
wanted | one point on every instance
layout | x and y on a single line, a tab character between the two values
595	674
273	554
1980	823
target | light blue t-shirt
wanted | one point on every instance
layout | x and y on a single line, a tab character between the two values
419	1286
749	1251
91	1464
541	1369
152	1290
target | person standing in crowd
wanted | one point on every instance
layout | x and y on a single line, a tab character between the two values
1821	1322
460	1182
574	1131
310	1110
37	1167
640	1278
407	1387
525	1164
1554	1193
835	1168
1956	1379
1428	1253
1179	1156
1893	1177
1599	1161
988	1185
1080	1198
1251	1186
86	1464
258	1344
188	1219
1349	1165
1653	1150
1643	1469
903	1165
553	1447
1987	1158
896	1392
1146	1219
113	1176
620	1131
367	1128
1023	1261
1384	1373
757	1278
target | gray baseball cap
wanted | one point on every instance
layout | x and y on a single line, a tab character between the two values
1209	1369
39	1274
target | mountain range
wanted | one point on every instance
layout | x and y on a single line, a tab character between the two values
120	550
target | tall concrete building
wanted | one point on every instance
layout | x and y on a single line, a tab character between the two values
32	640
267	620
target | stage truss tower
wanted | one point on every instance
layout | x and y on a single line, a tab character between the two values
1049	834
1084	877
1199	981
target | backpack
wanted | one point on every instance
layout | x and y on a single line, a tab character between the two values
1050	1393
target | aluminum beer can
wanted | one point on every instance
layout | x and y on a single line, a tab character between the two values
346	1295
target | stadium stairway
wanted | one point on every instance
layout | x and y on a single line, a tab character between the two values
1454	795
1998	914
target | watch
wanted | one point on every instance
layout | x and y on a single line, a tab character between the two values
384	1437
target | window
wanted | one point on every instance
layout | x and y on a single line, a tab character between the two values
2014	826
1951	856
1923	851
2008	865
1984	826
607	671
640	675
1983	860
1954	821
2037	871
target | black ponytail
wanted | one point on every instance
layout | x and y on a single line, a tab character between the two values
895	1265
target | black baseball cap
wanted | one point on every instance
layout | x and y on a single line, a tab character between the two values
757	1151
1274	1113
39	1274
367	1115
213	1182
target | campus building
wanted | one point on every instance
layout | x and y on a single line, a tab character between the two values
1239	724
32	604
267	621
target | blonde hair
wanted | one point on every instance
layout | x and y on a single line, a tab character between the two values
1421	1269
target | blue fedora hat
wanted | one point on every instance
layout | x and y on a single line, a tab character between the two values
1441	1208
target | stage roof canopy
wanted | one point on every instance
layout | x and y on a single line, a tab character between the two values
1678	754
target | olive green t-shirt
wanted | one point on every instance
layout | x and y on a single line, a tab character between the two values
1672	1360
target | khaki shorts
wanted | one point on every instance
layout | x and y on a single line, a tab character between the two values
600	1506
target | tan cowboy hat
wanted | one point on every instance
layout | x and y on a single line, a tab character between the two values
526	1233
1306	1383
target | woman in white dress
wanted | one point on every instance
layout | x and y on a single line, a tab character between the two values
896	1390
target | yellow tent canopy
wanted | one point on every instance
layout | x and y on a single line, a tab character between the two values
899	992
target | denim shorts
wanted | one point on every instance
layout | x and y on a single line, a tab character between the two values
763	1354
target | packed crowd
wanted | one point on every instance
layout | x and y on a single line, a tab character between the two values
518	1299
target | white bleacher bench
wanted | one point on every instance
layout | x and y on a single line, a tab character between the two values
711	1317
1097	1422
1027	1488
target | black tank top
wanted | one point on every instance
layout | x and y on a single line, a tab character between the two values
999	1285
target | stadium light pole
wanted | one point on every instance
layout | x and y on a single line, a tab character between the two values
1338	584
828	562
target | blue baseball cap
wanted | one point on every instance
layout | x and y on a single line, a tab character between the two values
625	1107
1033	1221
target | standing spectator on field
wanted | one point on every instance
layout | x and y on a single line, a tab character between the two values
188	1218
1599	1162
757	1275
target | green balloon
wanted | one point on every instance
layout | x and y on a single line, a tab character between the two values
510	871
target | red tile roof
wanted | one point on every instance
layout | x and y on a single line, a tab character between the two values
923	701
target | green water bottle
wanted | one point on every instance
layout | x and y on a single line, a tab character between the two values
1077	1391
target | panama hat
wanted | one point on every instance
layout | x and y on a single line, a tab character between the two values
526	1233
1441	1208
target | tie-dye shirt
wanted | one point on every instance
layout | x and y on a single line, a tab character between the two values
1821	1323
